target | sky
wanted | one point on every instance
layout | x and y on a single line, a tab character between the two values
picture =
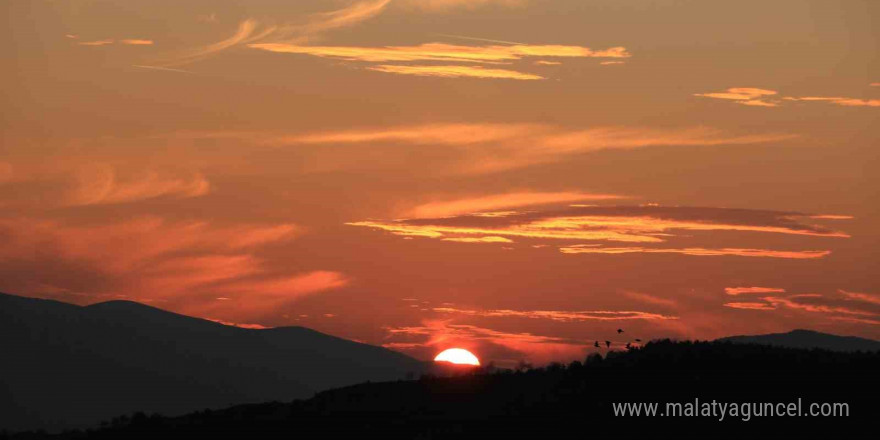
519	178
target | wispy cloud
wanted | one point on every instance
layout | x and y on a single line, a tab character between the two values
744	95
489	239
758	97
184	264
137	42
99	184
495	202
865	297
839	100
447	5
510	146
444	52
559	315
845	306
632	224
95	43
752	290
455	72
750	305
251	30
703	252
649	299
162	69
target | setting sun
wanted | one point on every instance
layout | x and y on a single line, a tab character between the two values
458	356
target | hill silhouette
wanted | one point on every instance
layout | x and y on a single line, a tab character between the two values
65	366
574	400
808	339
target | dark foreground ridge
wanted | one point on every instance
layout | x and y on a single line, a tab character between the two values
572	400
64	366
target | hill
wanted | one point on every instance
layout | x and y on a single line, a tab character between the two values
577	400
65	366
808	339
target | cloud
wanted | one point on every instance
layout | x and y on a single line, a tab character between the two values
101	184
559	315
354	14
447	5
163	69
455	72
750	290
251	31
865	297
95	43
137	42
511	146
755	97
838	100
109	41
611	63
443	52
758	103
553	63
480	240
495	202
703	252
185	265
650	299
632	224
744	95
739	93
750	305
245	32
845	306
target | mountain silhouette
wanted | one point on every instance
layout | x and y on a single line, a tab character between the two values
808	339
66	366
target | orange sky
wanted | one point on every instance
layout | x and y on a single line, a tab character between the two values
515	177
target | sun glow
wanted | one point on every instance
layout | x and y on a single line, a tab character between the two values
458	356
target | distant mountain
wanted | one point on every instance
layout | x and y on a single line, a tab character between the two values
808	339
65	366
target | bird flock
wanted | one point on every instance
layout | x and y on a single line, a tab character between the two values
629	345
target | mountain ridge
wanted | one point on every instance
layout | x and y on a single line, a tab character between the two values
69	366
807	339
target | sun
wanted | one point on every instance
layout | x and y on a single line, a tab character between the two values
458	356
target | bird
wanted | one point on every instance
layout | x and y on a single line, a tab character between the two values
628	346
619	331
608	344
596	344
638	340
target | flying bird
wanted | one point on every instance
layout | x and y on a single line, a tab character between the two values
628	346
608	344
638	340
596	344
619	331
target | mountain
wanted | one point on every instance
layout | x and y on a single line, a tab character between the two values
65	366
808	339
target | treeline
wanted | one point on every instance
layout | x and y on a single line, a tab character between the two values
574	400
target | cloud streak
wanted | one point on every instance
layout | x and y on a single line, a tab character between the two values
559	315
456	72
631	224
443	52
734	291
702	252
